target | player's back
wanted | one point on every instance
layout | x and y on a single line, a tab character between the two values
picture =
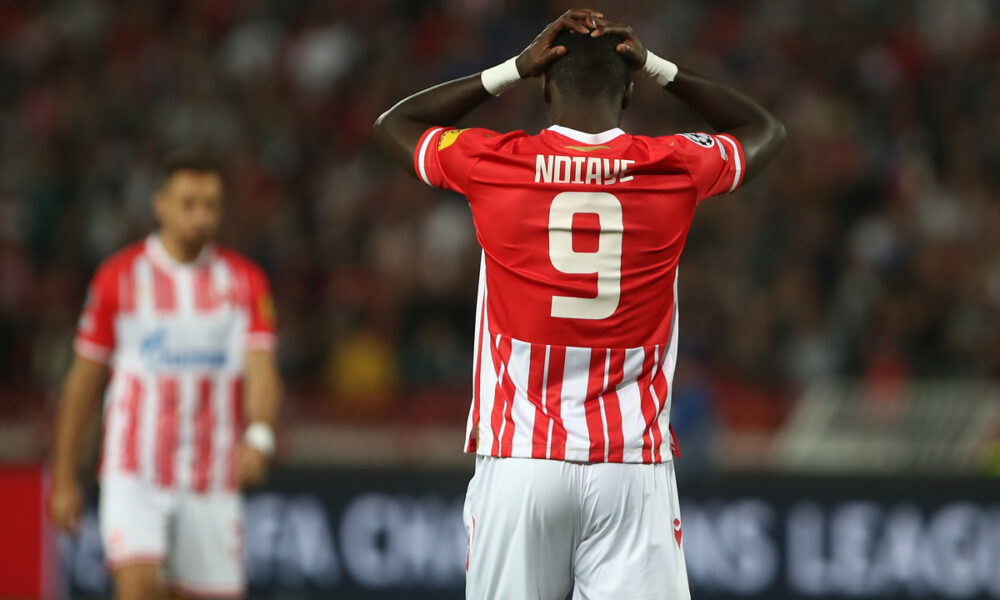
581	236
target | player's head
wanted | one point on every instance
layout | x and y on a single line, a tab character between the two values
188	204
590	69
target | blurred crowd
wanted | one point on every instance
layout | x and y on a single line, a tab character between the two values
868	250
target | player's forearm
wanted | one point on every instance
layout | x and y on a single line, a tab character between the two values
398	129
263	389
80	394
730	111
722	106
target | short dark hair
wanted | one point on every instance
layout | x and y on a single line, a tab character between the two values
198	160
591	66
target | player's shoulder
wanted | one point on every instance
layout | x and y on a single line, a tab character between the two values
121	260
673	141
239	262
686	147
476	136
697	141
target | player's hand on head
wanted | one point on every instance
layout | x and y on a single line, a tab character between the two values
631	48
533	61
251	466
66	506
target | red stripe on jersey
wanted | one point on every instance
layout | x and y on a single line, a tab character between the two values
503	400
132	408
507	443
163	290
612	406
536	383
674	446
236	424
166	432
126	289
496	415
553	400
204	293
646	402
592	405
660	389
204	423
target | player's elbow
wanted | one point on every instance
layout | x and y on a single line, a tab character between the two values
385	127
761	143
379	128
772	136
777	133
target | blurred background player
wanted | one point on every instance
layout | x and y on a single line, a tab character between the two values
187	330
582	227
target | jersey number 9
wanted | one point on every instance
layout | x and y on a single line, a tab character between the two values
606	261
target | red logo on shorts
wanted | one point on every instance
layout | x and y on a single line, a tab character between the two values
678	534
115	541
468	549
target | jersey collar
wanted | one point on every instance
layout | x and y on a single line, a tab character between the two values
587	138
159	254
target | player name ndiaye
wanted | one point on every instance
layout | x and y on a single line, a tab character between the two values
553	168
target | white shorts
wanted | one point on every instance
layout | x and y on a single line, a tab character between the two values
196	538
539	528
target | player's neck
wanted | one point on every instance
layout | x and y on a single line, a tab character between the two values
177	250
586	117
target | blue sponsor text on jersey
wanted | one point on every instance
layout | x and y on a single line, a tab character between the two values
154	349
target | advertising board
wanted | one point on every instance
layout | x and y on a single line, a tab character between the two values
398	534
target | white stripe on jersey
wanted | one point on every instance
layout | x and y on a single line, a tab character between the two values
576	374
483	357
222	431
522	413
633	423
184	296
604	410
187	392
498	403
144	297
669	364
111	449
149	409
545	403
739	167
423	154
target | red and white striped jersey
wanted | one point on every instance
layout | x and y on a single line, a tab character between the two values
176	337
577	321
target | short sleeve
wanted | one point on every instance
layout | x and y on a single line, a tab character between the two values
444	157
262	331
715	162
95	331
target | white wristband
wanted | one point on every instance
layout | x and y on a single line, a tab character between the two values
259	435
660	70
500	78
